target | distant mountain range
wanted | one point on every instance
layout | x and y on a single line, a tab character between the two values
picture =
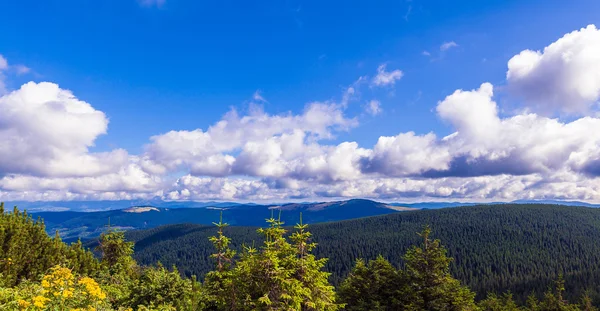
72	225
87	219
96	206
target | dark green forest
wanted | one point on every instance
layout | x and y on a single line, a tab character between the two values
520	248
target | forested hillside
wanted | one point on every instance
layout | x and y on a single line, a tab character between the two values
278	272
516	247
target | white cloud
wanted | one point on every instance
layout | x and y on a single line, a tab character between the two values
257	96
203	188
373	107
3	63
406	154
472	113
46	131
448	45
385	78
258	134
3	67
129	179
564	77
485	144
6	68
562	185
426	53
21	69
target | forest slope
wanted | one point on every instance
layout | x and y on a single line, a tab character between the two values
516	247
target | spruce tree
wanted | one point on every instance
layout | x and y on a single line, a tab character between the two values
430	287
278	275
116	253
494	302
219	288
374	286
318	293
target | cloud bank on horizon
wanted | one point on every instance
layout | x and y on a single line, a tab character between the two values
549	149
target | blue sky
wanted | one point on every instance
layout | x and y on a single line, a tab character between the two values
153	67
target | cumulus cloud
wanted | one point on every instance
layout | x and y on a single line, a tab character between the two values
563	77
373	107
406	154
46	131
255	135
129	179
386	78
485	144
490	155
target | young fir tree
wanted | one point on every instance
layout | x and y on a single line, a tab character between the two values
373	286
219	285
277	276
267	276
586	303
494	302
554	300
119	269
318	294
159	287
116	253
429	285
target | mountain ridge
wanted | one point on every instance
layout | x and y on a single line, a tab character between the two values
107	205
72	225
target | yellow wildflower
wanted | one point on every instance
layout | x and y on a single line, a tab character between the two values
40	301
92	288
67	293
24	304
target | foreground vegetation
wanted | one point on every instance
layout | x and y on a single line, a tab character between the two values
38	272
